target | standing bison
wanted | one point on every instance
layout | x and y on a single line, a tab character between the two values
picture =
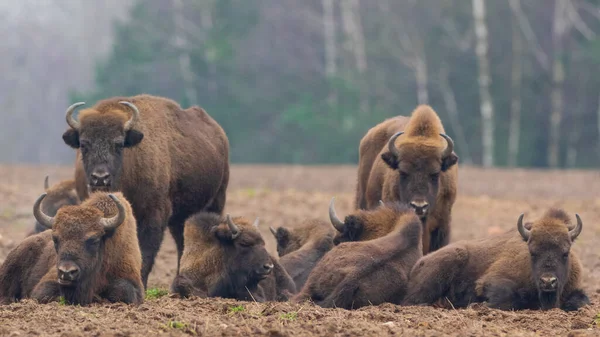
531	269
226	257
168	162
91	251
411	160
60	194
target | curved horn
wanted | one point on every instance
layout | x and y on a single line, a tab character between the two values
449	148
43	219
114	222
46	185
525	233
392	144
70	120
381	203
255	224
574	233
134	116
335	221
273	231
235	231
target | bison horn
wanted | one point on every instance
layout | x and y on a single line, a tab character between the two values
525	233
43	219
235	231
335	221
114	222
134	117
392	144
46	183
574	233
255	224
449	148
381	203
70	120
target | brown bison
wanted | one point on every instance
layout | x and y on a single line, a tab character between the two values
168	162
90	252
357	274
411	160
226	257
531	269
301	248
60	194
364	225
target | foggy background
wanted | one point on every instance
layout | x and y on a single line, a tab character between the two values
300	81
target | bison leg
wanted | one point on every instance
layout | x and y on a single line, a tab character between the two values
123	290
503	293
47	290
439	238
176	226
150	236
435	275
575	300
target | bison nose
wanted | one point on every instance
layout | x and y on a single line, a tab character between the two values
420	207
100	178
68	272
267	267
548	282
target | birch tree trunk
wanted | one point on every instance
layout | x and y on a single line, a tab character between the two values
184	57
578	111
484	79
558	78
421	75
206	21
514	132
452	109
330	46
355	35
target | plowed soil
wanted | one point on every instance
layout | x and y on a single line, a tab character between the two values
489	202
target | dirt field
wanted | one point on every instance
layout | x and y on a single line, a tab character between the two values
489	202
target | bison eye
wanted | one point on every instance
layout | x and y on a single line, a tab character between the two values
434	176
566	255
92	243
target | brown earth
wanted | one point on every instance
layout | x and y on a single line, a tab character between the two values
489	202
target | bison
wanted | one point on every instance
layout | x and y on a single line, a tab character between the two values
357	274
411	160
532	268
167	161
90	252
302	247
60	194
226	257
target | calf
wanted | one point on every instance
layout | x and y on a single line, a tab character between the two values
60	194
531	269
357	274
225	257
301	248
90	252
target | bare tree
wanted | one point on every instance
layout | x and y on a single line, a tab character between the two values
355	41
184	57
484	79
514	131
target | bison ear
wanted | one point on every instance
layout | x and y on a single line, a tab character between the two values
390	159
447	162
71	138
133	138
282	235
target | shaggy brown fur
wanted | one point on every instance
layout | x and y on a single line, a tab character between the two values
505	271
421	175
357	274
58	195
217	262
301	248
108	259
172	163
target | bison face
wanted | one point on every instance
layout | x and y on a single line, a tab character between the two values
418	168
246	258
101	139
79	235
549	251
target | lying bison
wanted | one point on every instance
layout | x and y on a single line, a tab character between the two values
60	194
531	269
91	252
167	161
357	274
301	248
226	258
412	160
364	225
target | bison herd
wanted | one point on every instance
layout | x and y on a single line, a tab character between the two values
144	164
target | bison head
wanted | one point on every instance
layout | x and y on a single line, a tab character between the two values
101	138
79	235
549	242
418	169
245	257
59	195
